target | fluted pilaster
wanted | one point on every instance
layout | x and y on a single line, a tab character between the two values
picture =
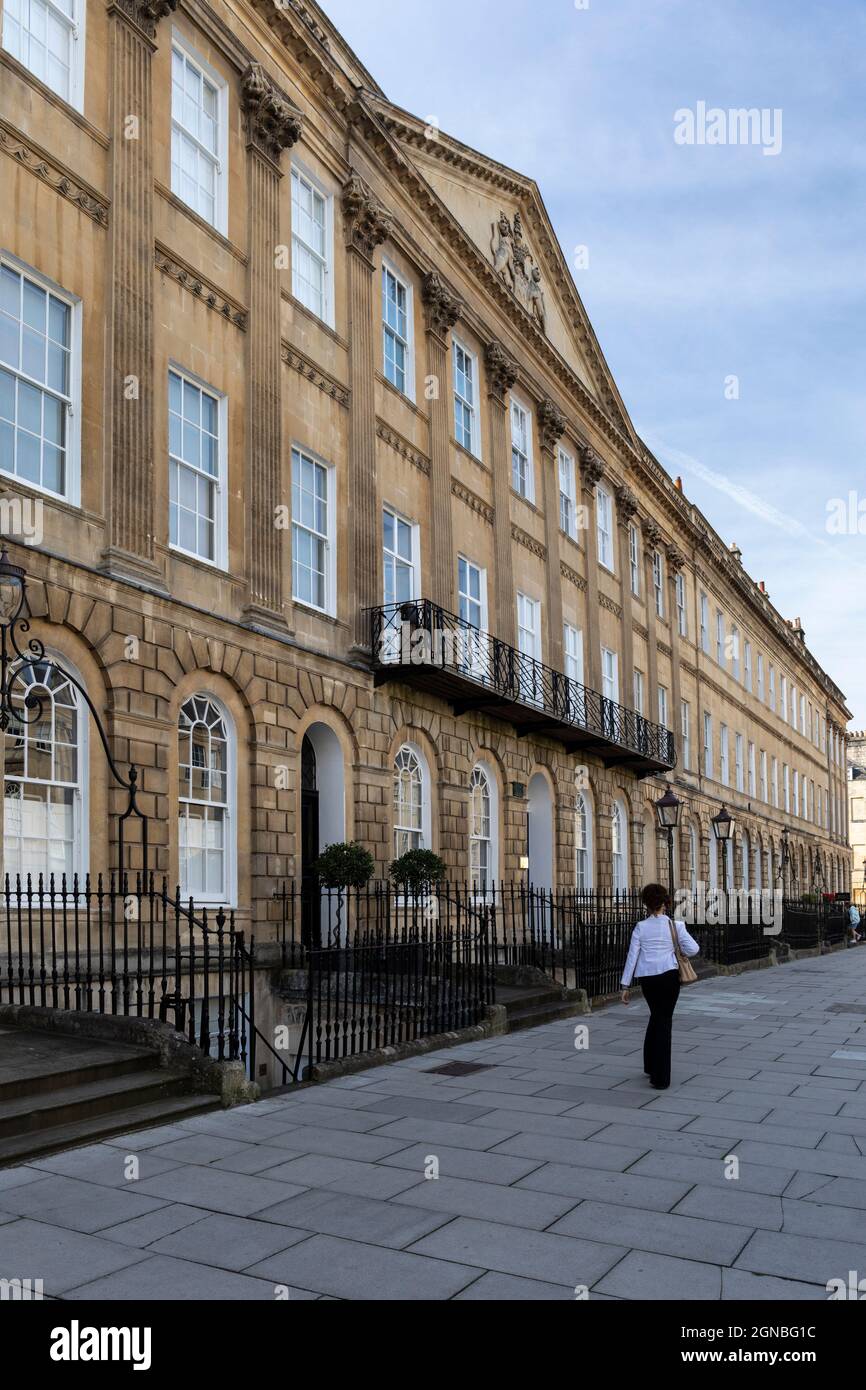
443	309
626	507
501	376
675	563
272	125
591	471
367	226
130	552
551	427
652	539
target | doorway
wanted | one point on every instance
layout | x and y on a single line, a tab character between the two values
310	846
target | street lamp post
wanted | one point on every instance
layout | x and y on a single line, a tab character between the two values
18	711
724	826
785	860
668	812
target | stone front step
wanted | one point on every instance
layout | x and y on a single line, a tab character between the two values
57	1091
529	1006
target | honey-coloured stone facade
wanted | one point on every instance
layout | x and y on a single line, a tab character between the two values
157	286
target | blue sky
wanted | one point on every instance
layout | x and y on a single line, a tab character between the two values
705	261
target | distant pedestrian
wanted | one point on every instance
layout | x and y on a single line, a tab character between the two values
658	947
853	924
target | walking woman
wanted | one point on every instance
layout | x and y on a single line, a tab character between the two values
656	943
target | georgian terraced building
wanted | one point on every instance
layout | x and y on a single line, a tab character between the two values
289	380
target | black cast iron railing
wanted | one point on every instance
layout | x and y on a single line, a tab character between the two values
422	642
127	947
377	993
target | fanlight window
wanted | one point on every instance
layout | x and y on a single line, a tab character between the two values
480	830
408	802
204	809
42	830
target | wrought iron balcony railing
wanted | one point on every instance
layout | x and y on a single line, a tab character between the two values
423	645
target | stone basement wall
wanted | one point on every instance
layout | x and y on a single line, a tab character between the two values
141	656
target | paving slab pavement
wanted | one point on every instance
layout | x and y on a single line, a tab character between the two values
552	1172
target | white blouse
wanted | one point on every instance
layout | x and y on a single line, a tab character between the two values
652	948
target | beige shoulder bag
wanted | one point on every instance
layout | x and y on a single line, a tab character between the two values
687	971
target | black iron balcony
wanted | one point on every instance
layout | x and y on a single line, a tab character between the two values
423	645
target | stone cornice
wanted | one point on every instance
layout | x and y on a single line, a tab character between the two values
501	370
273	123
402	447
368	222
609	605
473	501
443	306
551	425
302	364
372	123
291	26
402	126
45	167
528	542
167	263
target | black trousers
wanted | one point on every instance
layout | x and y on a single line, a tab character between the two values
661	993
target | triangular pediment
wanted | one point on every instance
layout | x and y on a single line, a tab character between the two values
505	217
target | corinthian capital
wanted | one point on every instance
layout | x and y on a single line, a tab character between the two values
146	13
676	559
501	370
551	425
626	503
443	307
591	467
367	221
273	123
651	533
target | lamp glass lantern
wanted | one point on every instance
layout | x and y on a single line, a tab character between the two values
11	589
724	825
669	810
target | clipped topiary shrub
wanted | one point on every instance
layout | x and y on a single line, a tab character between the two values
344	866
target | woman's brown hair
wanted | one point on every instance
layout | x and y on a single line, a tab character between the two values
655	896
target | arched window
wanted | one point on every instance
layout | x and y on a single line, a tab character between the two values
411	802
583	845
619	847
759	865
207	851
714	850
482	829
45	825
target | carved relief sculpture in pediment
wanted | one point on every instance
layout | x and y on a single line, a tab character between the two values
514	265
